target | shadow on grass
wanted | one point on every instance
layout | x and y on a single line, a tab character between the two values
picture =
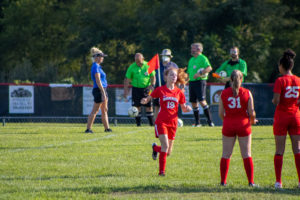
22	178
178	189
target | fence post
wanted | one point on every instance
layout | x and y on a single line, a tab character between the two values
115	122
3	121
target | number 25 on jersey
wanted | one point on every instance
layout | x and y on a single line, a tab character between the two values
292	92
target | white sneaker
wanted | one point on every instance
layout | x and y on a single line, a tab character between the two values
278	185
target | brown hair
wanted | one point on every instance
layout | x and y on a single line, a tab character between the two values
287	59
236	79
182	77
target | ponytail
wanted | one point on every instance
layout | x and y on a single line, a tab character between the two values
236	79
182	77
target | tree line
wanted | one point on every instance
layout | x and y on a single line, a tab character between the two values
49	40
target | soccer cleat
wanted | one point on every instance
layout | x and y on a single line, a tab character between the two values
196	125
108	130
278	185
161	174
299	185
88	131
253	185
211	124
223	184
154	153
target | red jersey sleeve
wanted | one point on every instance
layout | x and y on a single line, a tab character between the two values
155	93
181	97
277	87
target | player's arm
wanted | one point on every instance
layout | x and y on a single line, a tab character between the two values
152	82
126	87
276	99
251	110
185	108
221	109
99	84
146	99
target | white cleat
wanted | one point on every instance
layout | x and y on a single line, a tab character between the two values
278	185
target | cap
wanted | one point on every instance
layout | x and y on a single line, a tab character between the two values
166	52
99	53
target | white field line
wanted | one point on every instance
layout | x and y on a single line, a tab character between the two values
70	143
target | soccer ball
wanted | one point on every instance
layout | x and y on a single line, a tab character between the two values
133	111
223	74
203	75
179	122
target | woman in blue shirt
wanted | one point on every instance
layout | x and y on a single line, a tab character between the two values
99	91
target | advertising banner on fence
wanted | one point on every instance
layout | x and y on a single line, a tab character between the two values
21	99
88	101
122	104
215	93
187	98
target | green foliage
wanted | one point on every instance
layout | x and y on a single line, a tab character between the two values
55	36
59	161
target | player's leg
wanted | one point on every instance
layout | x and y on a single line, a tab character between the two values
228	144
193	100
245	148
296	150
149	113
92	117
278	158
170	149
104	116
202	100
137	95
163	154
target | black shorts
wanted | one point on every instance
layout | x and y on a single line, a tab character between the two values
156	102
197	90
97	95
138	94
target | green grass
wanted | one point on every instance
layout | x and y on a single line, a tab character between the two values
59	161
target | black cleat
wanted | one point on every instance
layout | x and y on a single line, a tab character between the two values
108	130
154	153
223	184
211	124
88	131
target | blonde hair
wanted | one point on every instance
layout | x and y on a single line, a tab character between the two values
95	50
236	79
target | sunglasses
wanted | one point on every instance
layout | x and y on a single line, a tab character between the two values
98	55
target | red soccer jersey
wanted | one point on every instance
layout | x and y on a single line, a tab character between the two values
169	101
235	107
288	86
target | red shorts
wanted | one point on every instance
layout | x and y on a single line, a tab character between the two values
286	124
163	129
233	128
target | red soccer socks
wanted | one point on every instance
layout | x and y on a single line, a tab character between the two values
157	148
162	162
248	165
297	162
224	167
278	167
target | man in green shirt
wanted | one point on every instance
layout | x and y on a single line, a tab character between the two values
198	69
235	63
142	83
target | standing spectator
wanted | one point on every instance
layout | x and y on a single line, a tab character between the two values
165	63
235	63
237	103
142	84
170	97
287	114
99	91
198	69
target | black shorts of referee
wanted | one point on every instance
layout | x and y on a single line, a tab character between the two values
138	94
197	90
98	95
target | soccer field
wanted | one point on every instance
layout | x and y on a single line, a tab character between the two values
59	161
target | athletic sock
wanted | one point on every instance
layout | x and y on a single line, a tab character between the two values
138	120
162	162
297	162
196	115
224	167
150	117
157	148
248	165
207	113
278	167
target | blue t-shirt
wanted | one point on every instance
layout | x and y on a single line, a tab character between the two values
162	69
96	68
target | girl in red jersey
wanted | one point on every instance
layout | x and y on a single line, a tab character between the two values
287	114
170	96
236	109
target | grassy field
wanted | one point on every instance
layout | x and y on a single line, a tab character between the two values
59	161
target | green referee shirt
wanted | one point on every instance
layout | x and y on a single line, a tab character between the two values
139	75
195	64
228	68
